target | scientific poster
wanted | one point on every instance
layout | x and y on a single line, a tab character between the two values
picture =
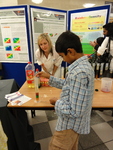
50	22
13	36
88	25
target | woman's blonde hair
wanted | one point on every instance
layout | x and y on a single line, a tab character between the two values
46	37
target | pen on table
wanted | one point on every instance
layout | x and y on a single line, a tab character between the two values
16	97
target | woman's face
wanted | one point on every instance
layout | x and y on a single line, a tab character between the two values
105	32
44	45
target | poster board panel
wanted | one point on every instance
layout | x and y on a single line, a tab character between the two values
88	24
49	21
14	34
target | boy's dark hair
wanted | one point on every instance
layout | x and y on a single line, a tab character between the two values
100	40
68	40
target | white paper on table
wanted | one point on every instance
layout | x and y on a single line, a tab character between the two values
12	95
20	100
17	98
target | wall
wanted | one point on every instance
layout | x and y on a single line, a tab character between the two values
63	4
8	2
14	71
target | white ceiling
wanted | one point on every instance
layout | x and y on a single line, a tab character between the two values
56	4
64	4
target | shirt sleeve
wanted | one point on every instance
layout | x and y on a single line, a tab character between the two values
56	82
38	58
74	99
103	46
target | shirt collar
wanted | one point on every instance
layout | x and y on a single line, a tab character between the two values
76	62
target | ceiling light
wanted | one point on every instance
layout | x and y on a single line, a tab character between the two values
88	5
37	1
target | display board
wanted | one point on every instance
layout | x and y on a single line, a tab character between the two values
14	34
20	27
19	31
49	21
88	24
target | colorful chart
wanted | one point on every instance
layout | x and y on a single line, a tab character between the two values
8	48
7	40
17	48
9	55
56	34
51	34
16	40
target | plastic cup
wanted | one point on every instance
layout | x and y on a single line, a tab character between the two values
106	84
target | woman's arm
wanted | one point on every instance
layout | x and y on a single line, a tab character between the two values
58	58
54	69
40	60
103	46
44	68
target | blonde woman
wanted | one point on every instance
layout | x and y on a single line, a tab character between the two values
47	56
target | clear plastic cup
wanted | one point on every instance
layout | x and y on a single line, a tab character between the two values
106	84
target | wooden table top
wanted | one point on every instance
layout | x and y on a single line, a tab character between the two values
45	94
100	100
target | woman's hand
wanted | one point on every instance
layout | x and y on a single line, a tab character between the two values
93	43
98	54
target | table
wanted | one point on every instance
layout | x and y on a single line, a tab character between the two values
101	100
45	94
14	121
7	86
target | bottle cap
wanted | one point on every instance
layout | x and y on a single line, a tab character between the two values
37	69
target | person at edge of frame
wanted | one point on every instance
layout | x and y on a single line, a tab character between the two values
73	108
93	57
105	33
107	43
106	57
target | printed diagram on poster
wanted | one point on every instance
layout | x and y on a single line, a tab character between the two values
13	35
50	22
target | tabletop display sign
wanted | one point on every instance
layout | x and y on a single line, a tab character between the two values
88	24
14	34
